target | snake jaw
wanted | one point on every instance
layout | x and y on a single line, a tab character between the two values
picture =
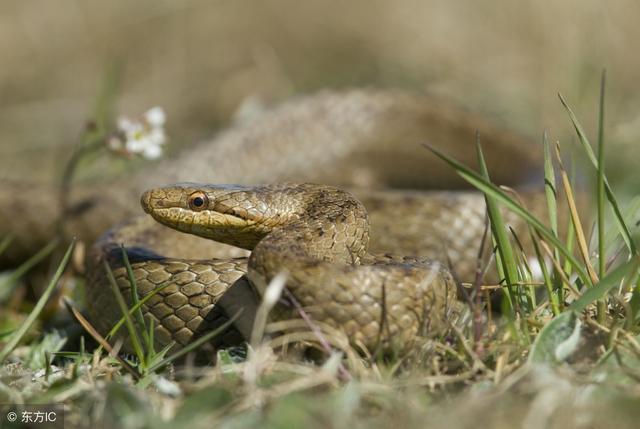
219	220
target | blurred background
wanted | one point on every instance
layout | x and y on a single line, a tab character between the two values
201	60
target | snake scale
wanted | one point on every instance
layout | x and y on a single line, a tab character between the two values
325	238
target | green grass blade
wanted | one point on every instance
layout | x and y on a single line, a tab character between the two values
600	193
630	214
135	308
154	361
550	284
7	284
33	315
5	334
582	137
525	274
151	351
500	234
611	280
551	192
133	333
550	188
135	299
487	187
197	343
6	241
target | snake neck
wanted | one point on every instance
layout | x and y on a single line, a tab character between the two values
333	228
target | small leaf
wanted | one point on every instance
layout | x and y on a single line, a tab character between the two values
557	340
52	342
204	401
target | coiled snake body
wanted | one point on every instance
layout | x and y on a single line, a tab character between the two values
319	235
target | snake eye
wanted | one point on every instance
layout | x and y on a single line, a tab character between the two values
198	201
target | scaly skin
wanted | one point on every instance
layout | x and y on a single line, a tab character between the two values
362	139
318	235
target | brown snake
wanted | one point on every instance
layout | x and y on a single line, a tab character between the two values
361	139
318	235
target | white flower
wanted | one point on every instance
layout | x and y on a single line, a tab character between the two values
167	387
143	137
155	117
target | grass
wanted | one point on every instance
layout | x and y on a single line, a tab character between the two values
566	351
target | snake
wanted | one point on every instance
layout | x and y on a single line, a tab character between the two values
360	251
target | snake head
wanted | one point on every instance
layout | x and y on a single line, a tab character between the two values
237	215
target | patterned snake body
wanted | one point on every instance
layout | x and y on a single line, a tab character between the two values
368	141
318	235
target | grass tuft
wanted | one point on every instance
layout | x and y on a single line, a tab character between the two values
16	337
